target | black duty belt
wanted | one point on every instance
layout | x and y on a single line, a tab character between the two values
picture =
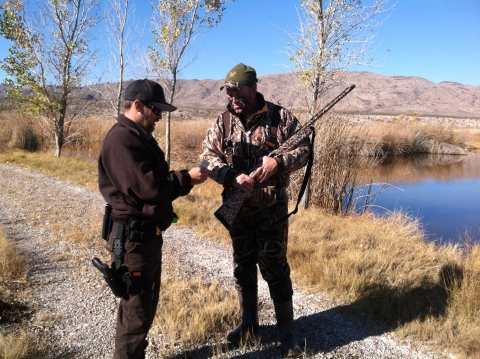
137	230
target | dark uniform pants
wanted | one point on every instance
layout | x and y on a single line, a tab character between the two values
135	315
254	242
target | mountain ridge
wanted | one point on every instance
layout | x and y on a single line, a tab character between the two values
374	94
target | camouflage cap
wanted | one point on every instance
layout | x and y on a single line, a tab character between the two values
240	75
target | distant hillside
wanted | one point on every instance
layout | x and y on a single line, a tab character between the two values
374	93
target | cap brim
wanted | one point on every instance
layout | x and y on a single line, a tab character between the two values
229	85
164	106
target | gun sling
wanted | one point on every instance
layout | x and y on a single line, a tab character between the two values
306	177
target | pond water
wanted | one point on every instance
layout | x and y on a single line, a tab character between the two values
442	191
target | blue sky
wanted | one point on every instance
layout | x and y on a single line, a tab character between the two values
438	40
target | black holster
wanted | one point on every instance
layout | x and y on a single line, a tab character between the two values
113	278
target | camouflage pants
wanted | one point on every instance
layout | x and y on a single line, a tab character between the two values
256	243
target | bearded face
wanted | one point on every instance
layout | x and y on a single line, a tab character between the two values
242	99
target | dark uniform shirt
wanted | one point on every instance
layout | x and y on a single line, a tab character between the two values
134	177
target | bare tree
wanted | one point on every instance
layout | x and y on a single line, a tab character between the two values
123	37
333	36
51	56
175	25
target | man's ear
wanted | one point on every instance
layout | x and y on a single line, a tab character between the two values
138	105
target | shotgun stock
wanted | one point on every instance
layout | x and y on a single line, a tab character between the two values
227	212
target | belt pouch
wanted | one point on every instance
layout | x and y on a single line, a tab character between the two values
142	230
107	222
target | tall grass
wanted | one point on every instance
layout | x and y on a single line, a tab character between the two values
397	138
405	138
384	266
335	185
30	133
15	308
19	132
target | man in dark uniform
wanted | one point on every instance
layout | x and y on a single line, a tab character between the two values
236	145
136	181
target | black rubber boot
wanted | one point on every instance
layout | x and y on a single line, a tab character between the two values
248	316
288	341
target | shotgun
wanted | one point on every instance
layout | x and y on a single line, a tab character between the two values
229	209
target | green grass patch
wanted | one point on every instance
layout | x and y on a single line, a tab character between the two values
66	168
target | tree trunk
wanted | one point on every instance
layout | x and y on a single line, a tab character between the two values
58	143
120	76
119	93
313	108
167	138
169	114
306	195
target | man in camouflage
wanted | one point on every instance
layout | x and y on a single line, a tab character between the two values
237	146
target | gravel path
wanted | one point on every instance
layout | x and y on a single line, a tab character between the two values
77	312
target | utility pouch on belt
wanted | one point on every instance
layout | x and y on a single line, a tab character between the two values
142	230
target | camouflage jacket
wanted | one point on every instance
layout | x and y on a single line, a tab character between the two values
240	148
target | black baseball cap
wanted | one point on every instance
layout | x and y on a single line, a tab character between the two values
148	91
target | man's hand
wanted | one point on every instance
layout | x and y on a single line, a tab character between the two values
266	170
198	175
243	182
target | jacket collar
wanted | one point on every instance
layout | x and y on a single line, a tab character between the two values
132	126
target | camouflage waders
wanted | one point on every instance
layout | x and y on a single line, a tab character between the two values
254	242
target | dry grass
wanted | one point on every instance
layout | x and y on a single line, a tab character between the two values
15	305
334	179
186	137
410	137
12	265
380	266
21	346
352	255
473	138
18	131
29	133
386	268
192	312
87	137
